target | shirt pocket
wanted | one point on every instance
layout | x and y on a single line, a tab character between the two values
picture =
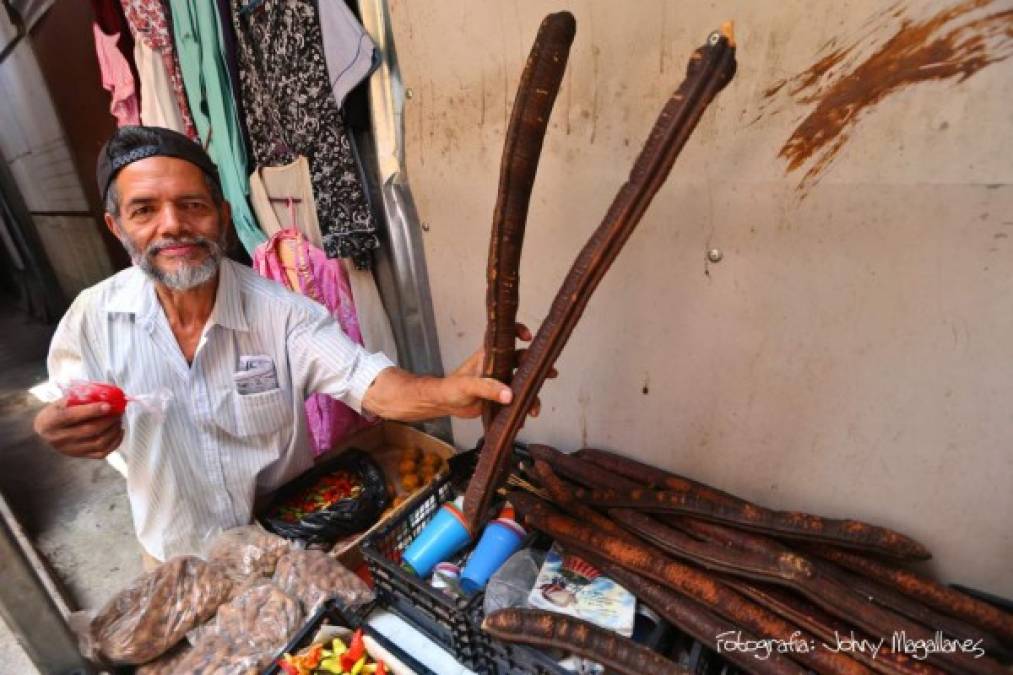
267	412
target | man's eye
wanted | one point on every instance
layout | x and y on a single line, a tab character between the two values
141	211
194	205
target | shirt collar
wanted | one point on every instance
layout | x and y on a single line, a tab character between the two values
228	310
136	295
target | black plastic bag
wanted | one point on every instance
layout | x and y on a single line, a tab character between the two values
342	518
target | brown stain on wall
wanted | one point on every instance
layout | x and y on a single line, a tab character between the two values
949	45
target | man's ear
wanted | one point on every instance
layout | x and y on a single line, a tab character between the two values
111	224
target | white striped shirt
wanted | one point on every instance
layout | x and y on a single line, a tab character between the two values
199	470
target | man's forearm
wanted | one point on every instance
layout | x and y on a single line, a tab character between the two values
399	395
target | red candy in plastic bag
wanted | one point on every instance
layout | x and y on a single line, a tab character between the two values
82	393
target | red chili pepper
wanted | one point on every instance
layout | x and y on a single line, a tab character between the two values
97	392
381	669
355	651
312	659
288	667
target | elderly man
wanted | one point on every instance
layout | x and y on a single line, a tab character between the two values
187	320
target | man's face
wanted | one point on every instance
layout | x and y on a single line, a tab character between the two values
169	222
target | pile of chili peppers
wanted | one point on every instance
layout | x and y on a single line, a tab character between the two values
325	493
338	660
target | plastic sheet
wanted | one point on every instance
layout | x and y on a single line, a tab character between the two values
313	577
511	584
145	620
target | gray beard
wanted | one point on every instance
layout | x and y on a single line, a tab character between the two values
186	277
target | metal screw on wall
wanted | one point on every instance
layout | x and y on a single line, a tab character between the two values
715	255
408	93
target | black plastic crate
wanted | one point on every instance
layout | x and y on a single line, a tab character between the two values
442	618
332	612
503	658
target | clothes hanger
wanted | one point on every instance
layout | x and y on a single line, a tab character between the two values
251	7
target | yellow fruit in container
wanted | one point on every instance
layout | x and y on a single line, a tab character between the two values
410	482
407	466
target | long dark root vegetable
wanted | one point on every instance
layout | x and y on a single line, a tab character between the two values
710	68
525	134
550	629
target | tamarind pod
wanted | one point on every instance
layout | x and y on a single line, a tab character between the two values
788	524
814	579
562	496
536	94
577	469
645	475
912	609
760	563
710	68
551	629
932	593
692	618
828	628
648	561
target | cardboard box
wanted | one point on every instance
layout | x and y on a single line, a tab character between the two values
385	442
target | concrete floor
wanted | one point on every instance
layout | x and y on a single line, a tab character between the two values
74	510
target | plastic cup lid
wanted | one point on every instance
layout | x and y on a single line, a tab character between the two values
513	525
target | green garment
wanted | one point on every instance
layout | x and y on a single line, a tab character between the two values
196	29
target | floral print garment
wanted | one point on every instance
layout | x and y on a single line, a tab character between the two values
291	111
148	21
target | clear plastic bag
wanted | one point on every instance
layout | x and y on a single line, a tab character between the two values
314	577
511	584
166	664
79	392
246	632
247	552
145	620
215	654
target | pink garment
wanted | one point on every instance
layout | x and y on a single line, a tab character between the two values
117	78
323	279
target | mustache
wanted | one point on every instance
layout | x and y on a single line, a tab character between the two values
157	246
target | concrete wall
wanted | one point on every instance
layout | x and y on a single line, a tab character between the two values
33	144
850	355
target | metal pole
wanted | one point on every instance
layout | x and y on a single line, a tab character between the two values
403	278
30	611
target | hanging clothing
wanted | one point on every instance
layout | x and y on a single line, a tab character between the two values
290	111
290	260
158	102
116	78
374	324
231	64
350	53
270	186
195	25
163	98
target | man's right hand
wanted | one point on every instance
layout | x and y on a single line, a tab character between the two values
89	430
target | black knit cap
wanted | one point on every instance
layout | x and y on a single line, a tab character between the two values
132	143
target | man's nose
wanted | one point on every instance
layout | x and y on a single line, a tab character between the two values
170	222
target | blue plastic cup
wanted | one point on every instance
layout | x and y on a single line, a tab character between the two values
444	536
499	541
